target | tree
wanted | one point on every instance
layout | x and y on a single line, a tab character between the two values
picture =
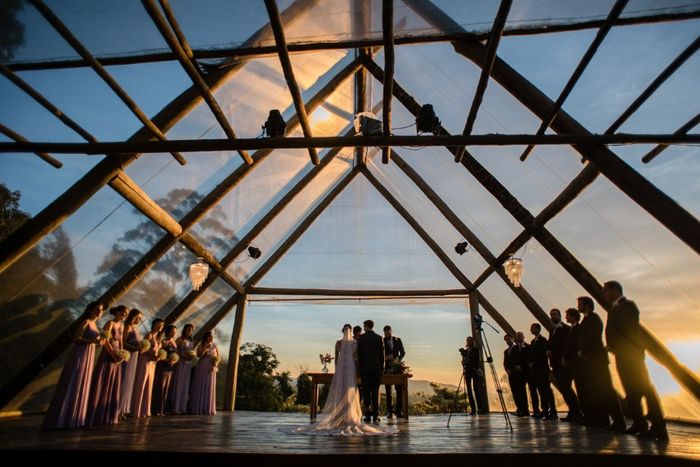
303	387
11	217
440	402
256	388
11	30
284	385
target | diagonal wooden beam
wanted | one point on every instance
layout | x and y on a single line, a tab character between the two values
281	41
432	244
580	68
303	46
21	139
499	23
388	34
689	125
179	46
32	231
101	72
657	203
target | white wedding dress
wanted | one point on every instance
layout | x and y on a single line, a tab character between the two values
342	413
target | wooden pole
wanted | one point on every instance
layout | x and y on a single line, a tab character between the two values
388	34
180	47
32	231
482	394
281	41
249	52
580	68
689	125
361	23
234	354
21	139
499	23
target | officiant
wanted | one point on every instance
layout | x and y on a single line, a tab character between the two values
393	349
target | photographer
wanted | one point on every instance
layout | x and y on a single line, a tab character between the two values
472	373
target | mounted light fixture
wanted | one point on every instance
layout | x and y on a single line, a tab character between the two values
514	270
254	252
427	121
461	248
275	126
366	124
198	273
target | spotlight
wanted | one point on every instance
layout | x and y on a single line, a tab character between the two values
461	248
254	252
275	125
427	121
367	125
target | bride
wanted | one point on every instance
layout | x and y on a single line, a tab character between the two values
342	414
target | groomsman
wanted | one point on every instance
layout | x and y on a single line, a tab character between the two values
539	371
624	337
574	364
562	375
393	348
515	379
522	369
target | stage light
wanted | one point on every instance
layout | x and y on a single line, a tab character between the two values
367	124
254	252
461	248
427	121
275	126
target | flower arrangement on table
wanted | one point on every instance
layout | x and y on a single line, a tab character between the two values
325	360
399	367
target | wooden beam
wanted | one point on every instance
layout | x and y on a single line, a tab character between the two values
657	203
527	300
101	72
580	68
482	395
281	41
32	231
689	125
354	293
247	52
388	34
178	44
361	24
113	149
234	355
21	139
499	23
432	244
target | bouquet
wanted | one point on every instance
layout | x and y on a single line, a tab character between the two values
191	354
325	359
161	355
123	355
399	367
106	335
144	345
173	358
215	360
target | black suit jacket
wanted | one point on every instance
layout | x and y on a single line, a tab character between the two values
590	338
573	361
557	344
623	332
370	353
397	346
509	358
538	355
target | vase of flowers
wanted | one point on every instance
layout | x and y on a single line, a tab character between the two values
325	359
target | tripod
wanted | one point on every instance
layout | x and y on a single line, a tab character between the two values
478	320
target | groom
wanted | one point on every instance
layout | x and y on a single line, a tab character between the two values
370	352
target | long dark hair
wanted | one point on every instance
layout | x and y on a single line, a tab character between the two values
91	306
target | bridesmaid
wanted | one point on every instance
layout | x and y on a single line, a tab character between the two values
145	372
164	372
203	400
106	382
183	371
131	342
68	407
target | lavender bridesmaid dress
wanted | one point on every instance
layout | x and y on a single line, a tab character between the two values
143	383
181	379
68	407
106	383
131	343
161	402
203	400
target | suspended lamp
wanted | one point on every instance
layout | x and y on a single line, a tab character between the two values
514	270
198	273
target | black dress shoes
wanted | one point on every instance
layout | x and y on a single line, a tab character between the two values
637	429
656	432
366	419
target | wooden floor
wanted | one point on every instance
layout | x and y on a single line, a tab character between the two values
260	439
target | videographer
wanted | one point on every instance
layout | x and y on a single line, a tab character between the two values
472	373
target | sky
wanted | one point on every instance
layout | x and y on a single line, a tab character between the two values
360	242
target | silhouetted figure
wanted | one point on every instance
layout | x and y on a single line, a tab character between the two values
370	354
522	367
539	372
624	337
598	383
472	374
393	349
563	376
573	363
516	379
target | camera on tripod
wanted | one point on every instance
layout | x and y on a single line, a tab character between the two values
478	321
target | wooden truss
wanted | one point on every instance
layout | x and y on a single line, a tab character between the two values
599	160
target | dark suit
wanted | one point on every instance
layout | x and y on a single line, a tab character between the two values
515	379
370	353
523	360
393	347
539	374
563	376
596	374
471	367
574	365
624	337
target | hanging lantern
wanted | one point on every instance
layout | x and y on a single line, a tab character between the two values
514	270
198	272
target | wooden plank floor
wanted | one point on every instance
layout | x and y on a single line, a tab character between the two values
423	440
